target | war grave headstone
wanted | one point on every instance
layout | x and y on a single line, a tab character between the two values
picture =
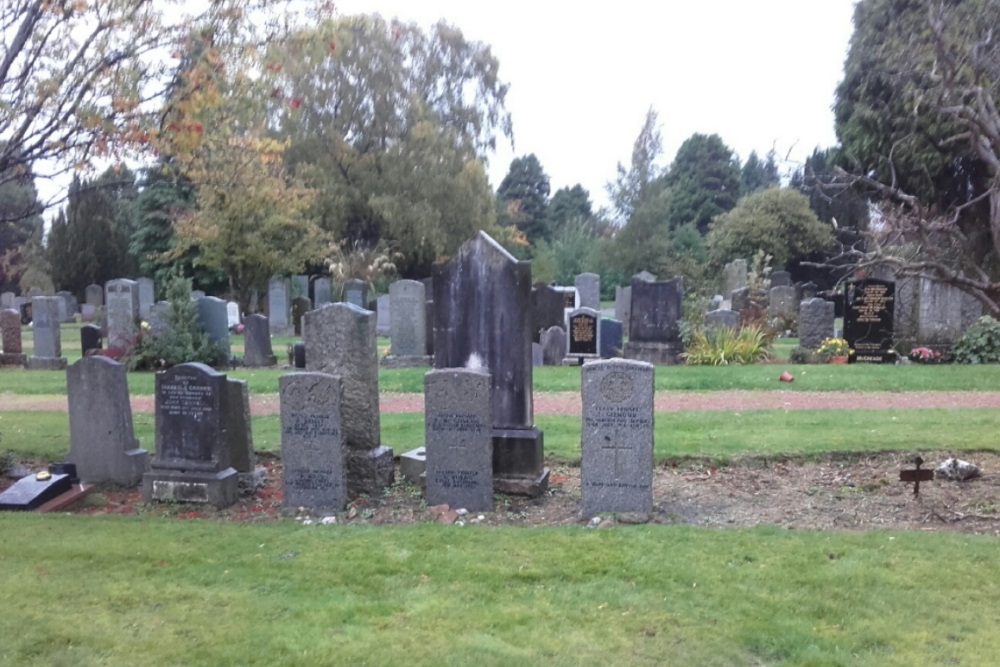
102	443
588	286
94	295
780	278
718	319
816	320
147	296
239	436
122	299
553	342
356	291
655	334
583	336
313	450
279	306
10	339
782	301
548	309
623	306
322	294
868	319
159	316
91	340
340	340
617	465
6	300
257	350
611	337
482	299
25	311
408	311
300	306
214	319
47	352
734	276
232	314
192	449
383	312
459	439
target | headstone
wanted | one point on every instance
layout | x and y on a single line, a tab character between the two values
61	306
147	296
780	278
232	314
299	355
340	339
91	340
815	322
734	275
782	301
583	336
102	443
868	319
122	299
588	286
239	434
30	492
6	300
321	292
192	462
47	352
944	313
25	310
482	300
213	318
94	295
740	299
159	316
808	291
10	338
88	313
197	294
69	308
313	452
553	342
429	320
300	306
356	292
459	439
383	311
257	351
611	337
617	464
537	359
623	306
571	298
300	287
548	309
655	334
722	319
408	325
278	306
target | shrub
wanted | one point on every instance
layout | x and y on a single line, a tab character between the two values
833	347
980	344
801	355
721	346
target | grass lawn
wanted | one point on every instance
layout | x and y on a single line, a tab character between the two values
114	591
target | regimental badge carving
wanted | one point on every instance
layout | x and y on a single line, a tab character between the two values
617	387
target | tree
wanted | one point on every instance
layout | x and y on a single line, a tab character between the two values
523	198
632	186
917	111
567	204
704	179
777	221
20	215
757	174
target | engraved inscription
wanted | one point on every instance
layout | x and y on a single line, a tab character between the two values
311	479
457	422
457	479
184	397
617	387
583	329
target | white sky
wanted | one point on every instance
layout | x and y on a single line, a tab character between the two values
759	73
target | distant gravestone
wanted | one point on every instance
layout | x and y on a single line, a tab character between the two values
612	338
239	434
408	324
313	452
588	286
356	292
383	313
192	462
553	346
654	334
102	443
617	463
278	306
816	320
91	340
214	319
70	306
548	309
734	275
159	316
6	300
300	306
147	296
782	301
10	338
122	299
299	355
583	335
62	305
459	439
340	339
868	319
808	291
321	292
257	351
429	320
571	298
232	314
47	352
722	319
780	278
623	306
537	360
94	295
88	313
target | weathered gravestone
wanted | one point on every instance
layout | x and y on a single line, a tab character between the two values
482	302
232	314
734	276
583	336
10	338
122	299
91	340
655	334
588	286
70	306
62	305
321	292
239	436
278	306
722	319
553	342
214	319
429	320
313	452
611	336
459	439
340	340
383	313
192	462
356	292
6	300
816	318
537	359
408	311
623	306
782	301
548	309
147	296
102	443
868	319
94	295
617	464
780	278
257	351
89	313
47	352
300	306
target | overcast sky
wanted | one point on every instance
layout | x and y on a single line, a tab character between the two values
759	73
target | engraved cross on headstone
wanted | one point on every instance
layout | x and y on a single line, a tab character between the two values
609	446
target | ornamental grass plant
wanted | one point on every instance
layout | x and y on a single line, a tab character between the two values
722	346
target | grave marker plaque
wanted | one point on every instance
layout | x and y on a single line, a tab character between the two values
584	334
869	307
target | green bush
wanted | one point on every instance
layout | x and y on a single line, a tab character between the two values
801	355
980	344
722	346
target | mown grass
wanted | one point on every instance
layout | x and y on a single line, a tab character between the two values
126	591
721	435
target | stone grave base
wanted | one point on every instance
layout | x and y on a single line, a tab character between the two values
413	465
578	360
12	359
658	354
219	489
369	471
519	462
406	362
46	363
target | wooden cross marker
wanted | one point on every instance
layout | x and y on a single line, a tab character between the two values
615	448
916	475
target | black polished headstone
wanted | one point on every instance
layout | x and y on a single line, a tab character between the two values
26	313
869	306
656	311
299	355
90	339
583	333
29	492
612	337
548	309
190	418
